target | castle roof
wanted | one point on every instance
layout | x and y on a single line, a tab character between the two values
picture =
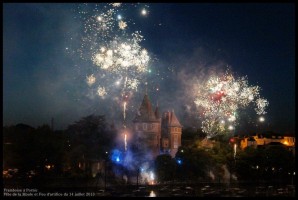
171	119
145	112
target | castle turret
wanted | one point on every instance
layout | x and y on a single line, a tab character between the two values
147	129
153	133
171	133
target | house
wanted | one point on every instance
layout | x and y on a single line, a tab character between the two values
268	138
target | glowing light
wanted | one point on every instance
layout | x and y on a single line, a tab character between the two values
151	176
99	18
179	161
48	167
116	156
144	12
152	194
231	127
119	17
261	119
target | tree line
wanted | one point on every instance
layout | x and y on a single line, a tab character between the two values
27	148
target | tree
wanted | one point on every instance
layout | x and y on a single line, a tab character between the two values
279	161
165	167
193	163
269	163
90	138
189	135
31	149
18	148
221	154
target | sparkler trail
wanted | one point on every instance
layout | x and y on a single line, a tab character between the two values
124	111
220	98
125	142
235	151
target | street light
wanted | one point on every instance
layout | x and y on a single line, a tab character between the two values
257	167
106	157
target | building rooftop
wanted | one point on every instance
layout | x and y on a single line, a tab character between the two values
145	112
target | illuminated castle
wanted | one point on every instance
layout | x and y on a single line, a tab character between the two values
156	134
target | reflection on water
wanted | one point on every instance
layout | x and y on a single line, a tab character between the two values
152	194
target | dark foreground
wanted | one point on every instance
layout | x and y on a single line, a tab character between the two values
88	187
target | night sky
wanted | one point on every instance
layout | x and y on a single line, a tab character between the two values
44	72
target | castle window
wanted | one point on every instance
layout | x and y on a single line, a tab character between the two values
144	126
175	141
152	126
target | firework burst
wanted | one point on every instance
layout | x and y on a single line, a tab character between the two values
91	79
110	39
114	49
219	99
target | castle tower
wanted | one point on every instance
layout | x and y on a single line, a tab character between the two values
147	129
171	133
